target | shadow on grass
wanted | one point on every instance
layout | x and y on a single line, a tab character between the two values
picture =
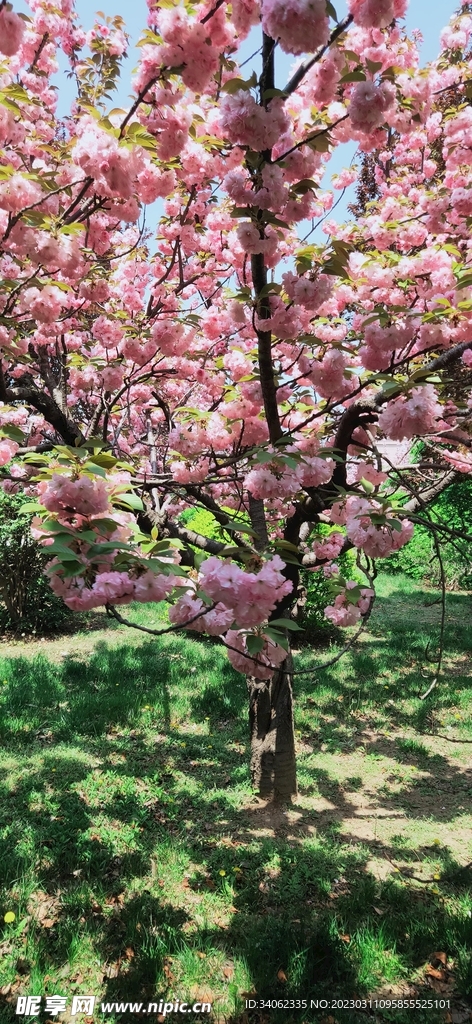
156	878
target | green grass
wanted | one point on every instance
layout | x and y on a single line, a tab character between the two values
138	864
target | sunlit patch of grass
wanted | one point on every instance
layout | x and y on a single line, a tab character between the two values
134	868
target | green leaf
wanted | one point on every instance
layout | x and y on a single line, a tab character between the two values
14	433
331	11
105	525
96	550
131	500
103	459
353	76
241	211
263	457
31	506
64	553
373	66
240	528
290	559
254	644
277	637
270	94
320	143
334	268
303	186
286	624
72	569
286	545
234	85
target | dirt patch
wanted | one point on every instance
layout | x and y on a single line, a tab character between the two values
407	808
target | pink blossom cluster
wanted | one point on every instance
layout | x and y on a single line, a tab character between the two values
462	461
381	342
300	26
376	540
215	622
11	32
376	13
327	374
409	416
85	496
370	104
261	665
110	588
343	612
252	241
189	43
275	479
245	122
250	596
366	471
308	293
329	547
8	449
44	304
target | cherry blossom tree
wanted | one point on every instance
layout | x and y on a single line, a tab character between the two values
230	360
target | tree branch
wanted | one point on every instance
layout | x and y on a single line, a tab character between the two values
308	64
264	349
43	403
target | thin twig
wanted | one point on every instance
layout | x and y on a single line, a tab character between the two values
304	68
112	612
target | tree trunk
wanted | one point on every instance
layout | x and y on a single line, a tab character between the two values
273	765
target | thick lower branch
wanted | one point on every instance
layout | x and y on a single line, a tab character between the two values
43	403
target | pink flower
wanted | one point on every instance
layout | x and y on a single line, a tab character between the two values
244	121
462	461
150	587
346	613
214	622
113	588
7	450
262	665
18	191
85	496
43	304
377	540
369	103
376	13
307	293
112	377
406	417
300	26
250	596
75	593
11	32
329	547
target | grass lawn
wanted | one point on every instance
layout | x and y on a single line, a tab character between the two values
139	864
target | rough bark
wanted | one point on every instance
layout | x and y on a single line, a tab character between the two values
273	763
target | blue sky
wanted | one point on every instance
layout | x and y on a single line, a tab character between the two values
429	17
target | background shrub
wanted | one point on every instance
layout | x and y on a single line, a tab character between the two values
418	558
27	601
